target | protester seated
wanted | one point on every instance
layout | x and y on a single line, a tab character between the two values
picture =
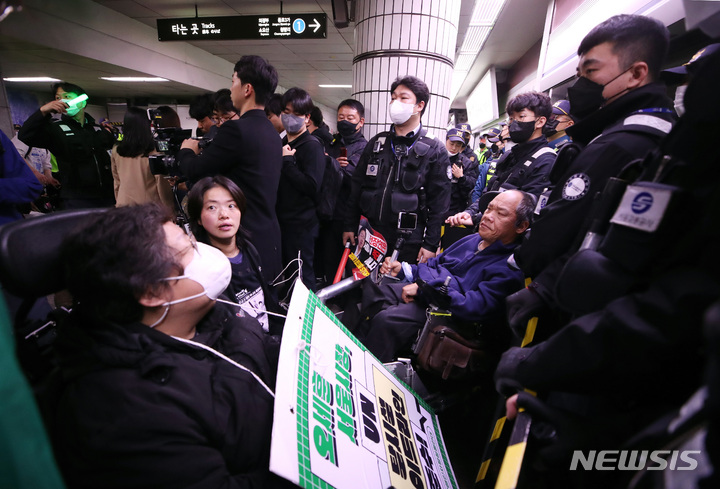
146	400
477	267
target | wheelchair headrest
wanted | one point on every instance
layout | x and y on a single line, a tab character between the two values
30	264
486	198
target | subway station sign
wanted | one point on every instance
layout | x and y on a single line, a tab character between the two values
286	26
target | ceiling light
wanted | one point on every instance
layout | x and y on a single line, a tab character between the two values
133	79
32	79
335	86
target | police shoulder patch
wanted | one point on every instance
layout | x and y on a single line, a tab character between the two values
576	187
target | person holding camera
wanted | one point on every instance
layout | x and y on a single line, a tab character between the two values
403	173
79	144
248	152
134	182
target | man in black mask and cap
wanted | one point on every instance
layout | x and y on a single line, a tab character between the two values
623	114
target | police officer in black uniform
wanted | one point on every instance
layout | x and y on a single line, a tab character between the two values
466	132
402	173
464	171
80	145
623	114
639	354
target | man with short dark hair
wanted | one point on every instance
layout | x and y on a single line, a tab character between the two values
302	173
79	144
346	147
248	152
479	279
318	128
201	109
273	109
623	114
526	166
403	172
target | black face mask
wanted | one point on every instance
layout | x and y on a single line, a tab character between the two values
521	131
586	96
550	128
346	128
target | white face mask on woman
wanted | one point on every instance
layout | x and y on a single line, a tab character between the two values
210	268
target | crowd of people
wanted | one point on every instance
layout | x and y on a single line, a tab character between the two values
590	219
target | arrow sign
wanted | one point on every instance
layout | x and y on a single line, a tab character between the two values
316	25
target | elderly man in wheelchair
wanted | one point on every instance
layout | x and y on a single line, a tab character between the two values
465	287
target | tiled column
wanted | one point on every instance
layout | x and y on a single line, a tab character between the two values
404	37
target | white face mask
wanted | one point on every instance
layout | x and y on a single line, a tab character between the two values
400	113
679	100
452	153
210	268
72	111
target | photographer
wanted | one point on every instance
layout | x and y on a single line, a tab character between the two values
248	152
134	182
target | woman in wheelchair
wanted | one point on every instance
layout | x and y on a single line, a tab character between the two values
160	387
215	207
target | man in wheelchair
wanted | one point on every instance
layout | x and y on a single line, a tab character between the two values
470	280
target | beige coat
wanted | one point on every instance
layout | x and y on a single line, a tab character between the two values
134	184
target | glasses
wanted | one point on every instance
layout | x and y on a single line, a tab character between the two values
220	120
510	120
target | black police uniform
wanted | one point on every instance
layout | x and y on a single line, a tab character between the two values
525	167
82	153
329	247
641	353
468	153
615	135
462	187
387	181
247	151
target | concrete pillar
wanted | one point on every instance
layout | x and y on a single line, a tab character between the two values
404	37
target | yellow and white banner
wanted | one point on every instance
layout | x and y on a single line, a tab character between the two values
342	420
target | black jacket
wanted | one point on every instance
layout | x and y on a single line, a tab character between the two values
561	225
247	151
423	186
140	409
300	181
354	145
81	152
513	172
323	135
462	187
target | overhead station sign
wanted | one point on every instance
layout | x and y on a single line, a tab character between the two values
244	27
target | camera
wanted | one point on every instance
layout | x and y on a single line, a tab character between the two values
168	141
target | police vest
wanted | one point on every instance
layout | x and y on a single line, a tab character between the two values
517	170
395	177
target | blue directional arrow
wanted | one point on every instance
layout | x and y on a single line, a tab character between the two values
299	26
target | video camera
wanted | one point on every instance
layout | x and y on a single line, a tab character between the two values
168	141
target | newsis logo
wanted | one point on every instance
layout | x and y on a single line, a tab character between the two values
635	460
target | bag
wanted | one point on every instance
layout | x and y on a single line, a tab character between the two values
449	354
329	189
